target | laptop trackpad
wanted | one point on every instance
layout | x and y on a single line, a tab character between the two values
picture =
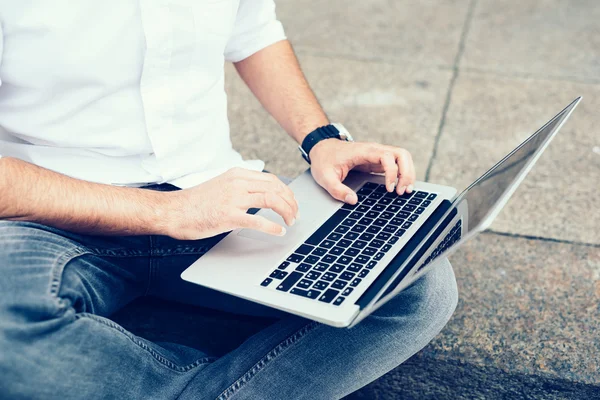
296	233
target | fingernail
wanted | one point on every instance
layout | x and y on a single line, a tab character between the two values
410	188
293	221
283	231
350	198
392	187
402	190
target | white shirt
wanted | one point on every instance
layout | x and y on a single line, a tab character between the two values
125	92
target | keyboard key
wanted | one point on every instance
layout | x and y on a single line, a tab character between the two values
371	264
344	243
432	196
328	276
320	267
372	215
342	229
284	265
311	294
425	203
296	258
363	273
319	251
362	209
355	282
400	232
334	236
376	195
327	244
347	276
349	222
356	215
383	236
390	195
415	201
413	217
337	268
406	225
349	207
289	281
304	249
362	259
399	202
380	222
351	252
278	274
304	284
313	275
419	210
421	195
303	267
403	214
344	260
393	240
336	251
366	236
390	229
366	221
347	291
387	215
377	257
409	207
339	301
354	267
369	251
359	244
381	189
376	243
378	208
329	259
321	285
358	228
311	259
393	209
339	284
364	190
369	202
386	248
267	281
329	295
371	185
327	227
373	229
384	201
351	236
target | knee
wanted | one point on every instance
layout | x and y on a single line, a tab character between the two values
439	293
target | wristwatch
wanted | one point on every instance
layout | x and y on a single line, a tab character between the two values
331	131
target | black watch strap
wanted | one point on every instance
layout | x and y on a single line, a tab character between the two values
322	133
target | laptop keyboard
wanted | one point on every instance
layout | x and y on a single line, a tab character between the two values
333	261
452	237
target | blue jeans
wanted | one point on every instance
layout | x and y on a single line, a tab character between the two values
58	290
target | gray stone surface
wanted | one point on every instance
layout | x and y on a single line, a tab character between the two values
423	32
539	37
376	102
490	115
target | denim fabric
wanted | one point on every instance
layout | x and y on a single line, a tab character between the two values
58	290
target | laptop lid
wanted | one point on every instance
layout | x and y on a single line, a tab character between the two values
485	198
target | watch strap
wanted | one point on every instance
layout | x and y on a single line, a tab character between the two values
322	133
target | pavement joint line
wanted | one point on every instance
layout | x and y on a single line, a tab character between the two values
530	76
455	70
540	238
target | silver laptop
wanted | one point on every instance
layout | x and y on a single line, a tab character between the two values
341	262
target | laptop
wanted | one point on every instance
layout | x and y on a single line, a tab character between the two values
341	262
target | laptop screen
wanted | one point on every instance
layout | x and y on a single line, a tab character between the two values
483	196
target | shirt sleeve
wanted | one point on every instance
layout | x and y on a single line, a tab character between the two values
1	53
256	27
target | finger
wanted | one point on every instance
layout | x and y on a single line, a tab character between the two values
274	202
273	186
390	168
406	171
259	223
330	180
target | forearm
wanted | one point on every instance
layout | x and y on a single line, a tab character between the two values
274	76
32	193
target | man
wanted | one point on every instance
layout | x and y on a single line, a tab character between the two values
107	110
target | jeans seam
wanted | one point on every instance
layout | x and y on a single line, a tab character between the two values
156	355
263	362
59	266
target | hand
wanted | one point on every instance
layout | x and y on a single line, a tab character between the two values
332	159
220	204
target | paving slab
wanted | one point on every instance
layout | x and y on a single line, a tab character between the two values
526	326
425	32
539	37
376	101
490	115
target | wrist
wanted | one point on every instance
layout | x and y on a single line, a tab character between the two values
162	212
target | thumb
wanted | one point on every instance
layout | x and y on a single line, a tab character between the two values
332	183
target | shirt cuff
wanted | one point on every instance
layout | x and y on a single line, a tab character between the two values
252	42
